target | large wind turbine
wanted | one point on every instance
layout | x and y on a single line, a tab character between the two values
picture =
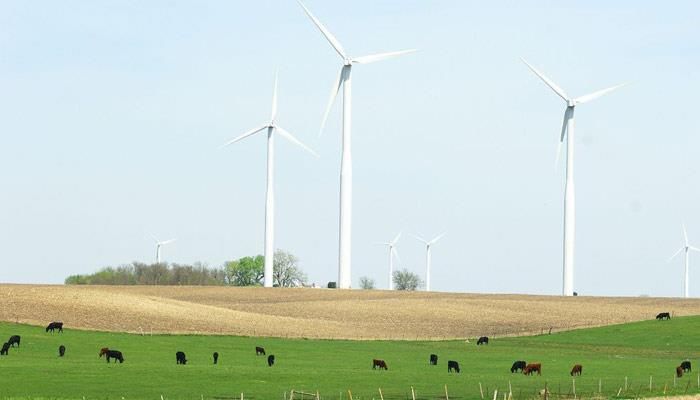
392	253
686	248
159	244
428	245
567	130
345	236
271	128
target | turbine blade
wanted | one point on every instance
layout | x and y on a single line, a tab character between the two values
155	238
437	238
334	93
396	239
274	99
549	82
381	56
564	126
675	254
685	235
396	254
595	95
245	135
420	239
167	241
329	36
693	248
294	140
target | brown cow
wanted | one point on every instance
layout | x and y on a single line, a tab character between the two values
530	368
679	371
577	370
381	364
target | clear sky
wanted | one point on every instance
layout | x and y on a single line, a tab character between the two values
112	114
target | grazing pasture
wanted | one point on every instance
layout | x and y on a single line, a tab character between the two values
635	350
320	313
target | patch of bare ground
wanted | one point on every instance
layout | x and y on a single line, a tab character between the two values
319	313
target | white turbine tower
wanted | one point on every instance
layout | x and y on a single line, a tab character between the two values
567	130
159	244
392	253
271	127
428	245
345	236
686	248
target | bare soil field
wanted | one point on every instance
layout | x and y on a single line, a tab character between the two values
319	313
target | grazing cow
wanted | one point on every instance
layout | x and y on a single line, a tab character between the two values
270	360
116	354
518	365
433	359
180	358
381	364
577	370
55	325
663	315
216	357
61	350
5	349
259	351
14	339
530	368
482	340
452	366
686	366
679	371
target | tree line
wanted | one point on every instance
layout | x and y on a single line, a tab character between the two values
247	271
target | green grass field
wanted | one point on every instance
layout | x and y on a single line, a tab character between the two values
608	355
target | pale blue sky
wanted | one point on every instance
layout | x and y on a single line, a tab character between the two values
112	112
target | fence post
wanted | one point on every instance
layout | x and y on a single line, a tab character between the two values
573	386
650	380
447	396
495	395
381	396
349	394
600	386
413	393
510	390
481	390
625	384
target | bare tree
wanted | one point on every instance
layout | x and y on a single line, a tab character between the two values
406	280
366	283
286	271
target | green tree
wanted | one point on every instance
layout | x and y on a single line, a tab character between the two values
406	280
366	283
286	271
247	271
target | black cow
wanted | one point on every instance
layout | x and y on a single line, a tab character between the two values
433	359
216	357
482	340
55	325
577	370
61	350
259	351
270	360
115	354
180	358
5	349
381	364
518	365
452	366
686	366
663	315
14	339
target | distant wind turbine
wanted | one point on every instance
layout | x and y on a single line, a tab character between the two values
271	128
686	248
567	130
392	253
428	245
345	236
159	244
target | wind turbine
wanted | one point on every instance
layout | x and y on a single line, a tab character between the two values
345	236
159	244
271	127
567	130
428	245
392	253
686	248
